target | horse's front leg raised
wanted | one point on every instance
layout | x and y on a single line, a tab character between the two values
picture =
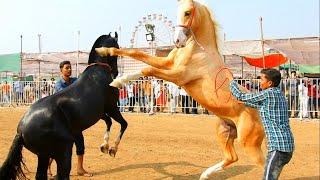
104	147
116	115
169	75
154	61
173	75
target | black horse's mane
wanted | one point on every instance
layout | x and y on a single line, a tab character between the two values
105	41
93	56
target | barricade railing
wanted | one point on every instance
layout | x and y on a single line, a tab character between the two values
154	95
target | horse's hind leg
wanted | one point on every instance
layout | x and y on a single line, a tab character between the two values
250	136
226	133
105	146
63	160
116	115
42	168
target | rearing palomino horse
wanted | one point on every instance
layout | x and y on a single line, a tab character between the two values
196	65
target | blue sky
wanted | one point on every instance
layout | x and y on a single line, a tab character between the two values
58	21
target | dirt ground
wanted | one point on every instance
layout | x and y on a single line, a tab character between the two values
169	147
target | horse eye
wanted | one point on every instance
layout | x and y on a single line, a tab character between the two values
188	13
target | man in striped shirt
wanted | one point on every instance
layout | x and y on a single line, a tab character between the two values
273	109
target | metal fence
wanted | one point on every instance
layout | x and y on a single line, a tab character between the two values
153	95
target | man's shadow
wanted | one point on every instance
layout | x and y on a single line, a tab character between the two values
161	168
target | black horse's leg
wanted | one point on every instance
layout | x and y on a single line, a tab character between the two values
63	160
105	146
42	168
116	115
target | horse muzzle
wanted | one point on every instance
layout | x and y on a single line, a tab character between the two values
181	36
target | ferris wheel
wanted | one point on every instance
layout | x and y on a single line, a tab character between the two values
153	29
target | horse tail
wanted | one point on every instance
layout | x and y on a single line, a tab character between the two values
11	169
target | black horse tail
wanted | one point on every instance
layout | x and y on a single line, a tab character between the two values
11	169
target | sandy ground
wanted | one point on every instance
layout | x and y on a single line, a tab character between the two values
169	147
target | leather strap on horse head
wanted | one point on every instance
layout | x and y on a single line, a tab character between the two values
107	66
193	13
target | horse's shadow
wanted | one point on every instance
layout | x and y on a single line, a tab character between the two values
161	168
307	178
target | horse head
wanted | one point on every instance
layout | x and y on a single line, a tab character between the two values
194	20
105	41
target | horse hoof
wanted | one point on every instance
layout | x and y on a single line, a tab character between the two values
104	148
112	152
115	83
101	51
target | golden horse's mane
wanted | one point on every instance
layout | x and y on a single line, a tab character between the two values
216	25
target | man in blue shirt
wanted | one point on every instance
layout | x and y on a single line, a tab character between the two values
62	83
273	109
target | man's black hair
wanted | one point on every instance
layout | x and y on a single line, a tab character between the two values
63	63
272	75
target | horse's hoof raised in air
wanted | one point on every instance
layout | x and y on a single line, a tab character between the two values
112	152
104	148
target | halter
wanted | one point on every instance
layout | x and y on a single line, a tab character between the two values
107	66
188	26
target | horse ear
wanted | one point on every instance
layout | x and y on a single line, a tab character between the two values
116	36
109	34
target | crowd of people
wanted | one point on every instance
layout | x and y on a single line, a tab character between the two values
303	96
25	92
152	95
148	95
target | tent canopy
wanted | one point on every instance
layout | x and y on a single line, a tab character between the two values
309	69
269	61
299	51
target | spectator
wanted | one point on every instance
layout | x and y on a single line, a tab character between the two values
140	95
123	98
28	92
194	109
184	101
303	98
312	94
18	91
51	86
318	96
6	92
293	94
148	95
44	88
174	96
161	96
131	96
1	93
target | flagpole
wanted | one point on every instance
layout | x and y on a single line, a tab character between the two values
20	57
40	56
78	54
262	43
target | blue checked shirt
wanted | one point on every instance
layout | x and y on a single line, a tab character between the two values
273	109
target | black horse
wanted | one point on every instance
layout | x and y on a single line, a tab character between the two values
48	128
